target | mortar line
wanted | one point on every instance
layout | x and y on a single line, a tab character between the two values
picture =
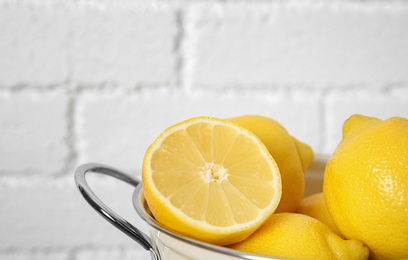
70	139
178	48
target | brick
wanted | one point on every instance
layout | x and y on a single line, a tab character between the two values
340	105
40	214
117	128
313	44
115	253
35	255
33	45
124	44
34	130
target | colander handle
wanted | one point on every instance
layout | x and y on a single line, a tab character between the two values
104	210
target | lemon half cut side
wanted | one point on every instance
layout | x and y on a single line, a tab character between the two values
210	179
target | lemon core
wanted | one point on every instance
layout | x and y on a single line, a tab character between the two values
214	172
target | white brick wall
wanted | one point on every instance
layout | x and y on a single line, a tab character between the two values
34	131
123	45
34	45
84	81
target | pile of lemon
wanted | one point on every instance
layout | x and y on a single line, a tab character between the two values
239	183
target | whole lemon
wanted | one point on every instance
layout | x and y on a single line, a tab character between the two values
366	185
315	206
292	235
291	155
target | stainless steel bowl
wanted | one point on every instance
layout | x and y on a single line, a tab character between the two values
163	243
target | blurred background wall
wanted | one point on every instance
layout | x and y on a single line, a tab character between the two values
98	80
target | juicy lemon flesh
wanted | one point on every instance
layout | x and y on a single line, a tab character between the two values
366	185
208	178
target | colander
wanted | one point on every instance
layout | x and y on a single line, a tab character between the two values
165	244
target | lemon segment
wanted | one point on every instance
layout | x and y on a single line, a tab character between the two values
210	179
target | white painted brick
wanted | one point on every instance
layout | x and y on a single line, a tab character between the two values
117	128
115	253
311	44
124	45
45	214
34	255
33	131
33	45
341	105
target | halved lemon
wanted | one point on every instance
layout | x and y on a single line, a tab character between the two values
210	179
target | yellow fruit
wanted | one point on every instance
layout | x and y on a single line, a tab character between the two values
305	153
315	206
293	235
292	156
210	179
366	185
